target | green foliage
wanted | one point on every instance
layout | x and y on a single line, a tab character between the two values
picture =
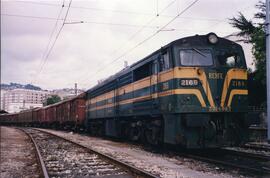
245	26
52	99
254	33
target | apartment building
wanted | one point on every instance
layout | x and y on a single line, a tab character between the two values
2	92
20	99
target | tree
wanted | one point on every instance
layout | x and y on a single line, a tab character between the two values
253	32
52	99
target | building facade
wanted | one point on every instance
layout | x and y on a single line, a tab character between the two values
2	92
21	99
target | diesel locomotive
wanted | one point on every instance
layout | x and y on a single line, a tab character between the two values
191	93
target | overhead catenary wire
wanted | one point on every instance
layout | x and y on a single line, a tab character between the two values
78	21
74	21
132	37
118	11
29	16
157	8
88	8
152	35
121	24
67	12
54	42
176	29
52	18
149	22
51	35
225	19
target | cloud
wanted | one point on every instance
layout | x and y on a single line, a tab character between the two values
84	52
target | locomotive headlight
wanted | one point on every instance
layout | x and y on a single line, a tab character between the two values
212	38
189	82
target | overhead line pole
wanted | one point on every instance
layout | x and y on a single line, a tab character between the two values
267	31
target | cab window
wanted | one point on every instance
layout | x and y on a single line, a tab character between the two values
155	67
164	62
229	59
196	57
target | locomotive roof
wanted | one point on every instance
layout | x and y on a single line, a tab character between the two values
190	41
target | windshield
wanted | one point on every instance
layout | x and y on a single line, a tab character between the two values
196	57
229	59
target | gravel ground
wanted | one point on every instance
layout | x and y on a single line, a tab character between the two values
64	159
162	165
17	158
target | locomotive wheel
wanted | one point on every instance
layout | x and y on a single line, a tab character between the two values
134	133
210	131
152	135
235	134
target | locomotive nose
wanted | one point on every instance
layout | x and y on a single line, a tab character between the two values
216	82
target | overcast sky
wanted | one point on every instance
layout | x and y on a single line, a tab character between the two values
87	52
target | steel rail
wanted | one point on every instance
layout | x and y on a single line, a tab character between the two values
132	169
38	155
228	164
247	154
256	147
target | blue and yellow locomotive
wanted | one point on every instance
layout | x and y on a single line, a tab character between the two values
192	93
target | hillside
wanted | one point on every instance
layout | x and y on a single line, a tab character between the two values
17	86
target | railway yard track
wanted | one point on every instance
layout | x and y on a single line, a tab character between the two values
244	161
42	166
60	157
66	158
257	147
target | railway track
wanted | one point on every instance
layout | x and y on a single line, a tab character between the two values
244	161
255	156
42	166
65	158
257	147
